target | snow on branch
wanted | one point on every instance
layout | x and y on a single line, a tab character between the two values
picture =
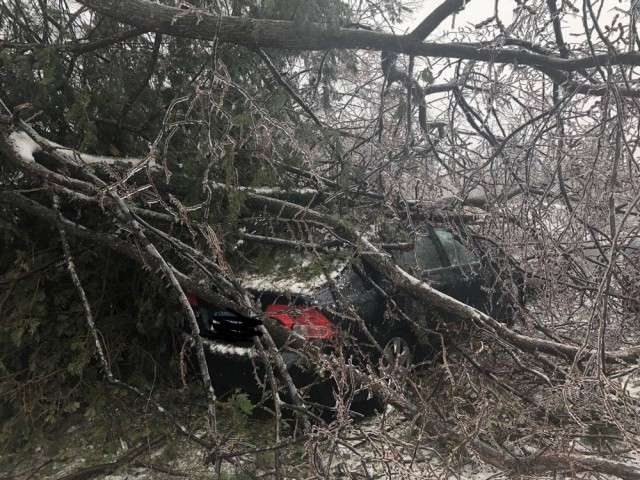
26	143
24	146
274	192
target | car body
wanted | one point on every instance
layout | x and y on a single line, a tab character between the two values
326	311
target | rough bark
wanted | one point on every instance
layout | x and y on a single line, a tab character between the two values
259	33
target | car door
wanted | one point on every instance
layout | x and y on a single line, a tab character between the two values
427	260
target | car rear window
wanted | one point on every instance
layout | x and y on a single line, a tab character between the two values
423	256
457	253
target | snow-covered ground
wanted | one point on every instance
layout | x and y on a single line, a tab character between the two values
381	455
378	447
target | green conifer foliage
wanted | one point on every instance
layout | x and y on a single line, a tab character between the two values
206	112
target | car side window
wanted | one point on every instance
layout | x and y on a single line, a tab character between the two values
423	256
457	253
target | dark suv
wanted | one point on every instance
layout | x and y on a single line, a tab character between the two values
404	330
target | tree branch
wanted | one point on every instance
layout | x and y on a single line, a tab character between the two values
259	33
439	15
78	47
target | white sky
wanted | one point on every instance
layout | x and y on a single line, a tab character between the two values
479	10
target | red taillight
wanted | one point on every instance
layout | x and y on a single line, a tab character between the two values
192	299
308	322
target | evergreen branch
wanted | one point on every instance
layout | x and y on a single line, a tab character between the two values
93	331
265	58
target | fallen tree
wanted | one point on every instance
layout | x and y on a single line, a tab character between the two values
252	157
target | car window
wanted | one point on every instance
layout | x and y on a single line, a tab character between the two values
423	256
633	247
457	253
